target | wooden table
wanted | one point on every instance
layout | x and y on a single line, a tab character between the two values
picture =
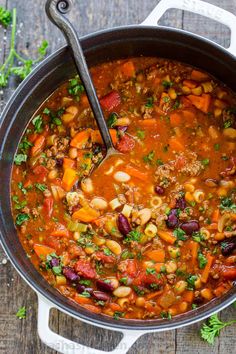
20	336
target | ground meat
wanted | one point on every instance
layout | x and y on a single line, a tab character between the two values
72	199
163	175
35	212
51	163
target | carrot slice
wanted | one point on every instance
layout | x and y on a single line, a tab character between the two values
84	100
194	246
147	122
155	294
68	163
128	69
188	296
43	251
156	255
85	214
134	172
201	102
199	75
175	119
69	178
215	215
80	139
189	83
97	138
82	300
61	231
175	144
166	236
92	308
206	270
158	267
38	145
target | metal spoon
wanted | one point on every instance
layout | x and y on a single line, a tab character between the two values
56	9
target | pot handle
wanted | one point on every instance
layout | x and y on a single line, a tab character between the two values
66	346
199	7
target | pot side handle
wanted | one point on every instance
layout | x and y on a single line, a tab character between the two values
199	7
66	346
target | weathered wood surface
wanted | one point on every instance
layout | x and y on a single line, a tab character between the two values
20	336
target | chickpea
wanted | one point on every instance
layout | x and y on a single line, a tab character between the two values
140	301
171	267
53	174
122	291
73	153
180	286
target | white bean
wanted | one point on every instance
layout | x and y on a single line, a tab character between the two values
122	291
114	247
121	176
99	203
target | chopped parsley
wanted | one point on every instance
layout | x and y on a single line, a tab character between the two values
19	158
180	234
150	271
118	314
149	103
112	119
86	282
25	145
85	294
149	157
139	291
127	255
166	99
216	147
159	162
205	162
124	280
22	217
37	123
107	252
167	84
202	261
197	237
228	123
21	313
191	281
140	134
226	203
41	187
133	235
75	87
166	315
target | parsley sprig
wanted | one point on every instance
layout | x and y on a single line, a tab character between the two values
26	66
212	328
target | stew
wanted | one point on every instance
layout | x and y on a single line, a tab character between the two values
152	231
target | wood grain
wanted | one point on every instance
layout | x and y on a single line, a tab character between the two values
21	335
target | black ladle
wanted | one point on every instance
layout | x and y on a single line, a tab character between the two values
56	9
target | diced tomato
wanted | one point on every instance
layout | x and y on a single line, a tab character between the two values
229	273
144	279
54	242
75	251
40	170
125	144
85	269
48	206
128	267
100	256
110	101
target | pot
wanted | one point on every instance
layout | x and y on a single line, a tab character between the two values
146	39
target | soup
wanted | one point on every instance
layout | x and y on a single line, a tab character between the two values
151	232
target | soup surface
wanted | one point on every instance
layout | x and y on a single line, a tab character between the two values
152	231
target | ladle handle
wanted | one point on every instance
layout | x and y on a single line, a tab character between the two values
56	9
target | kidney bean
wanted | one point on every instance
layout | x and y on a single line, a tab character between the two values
70	274
100	295
228	246
122	128
59	162
159	190
180	203
189	227
55	262
172	219
123	224
80	288
104	286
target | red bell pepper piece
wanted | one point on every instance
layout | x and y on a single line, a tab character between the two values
111	100
85	269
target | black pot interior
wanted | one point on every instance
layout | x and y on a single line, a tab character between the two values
99	47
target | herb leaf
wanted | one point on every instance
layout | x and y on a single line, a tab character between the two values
21	313
212	328
5	17
19	158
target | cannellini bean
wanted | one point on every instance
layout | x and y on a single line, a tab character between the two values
171	267
213	132
73	153
198	195
115	203
109	171
87	185
227	184
99	203
144	215
121	176
122	291
223	221
180	286
122	121
114	247
114	282
230	133
72	198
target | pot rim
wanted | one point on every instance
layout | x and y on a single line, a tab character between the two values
102	320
